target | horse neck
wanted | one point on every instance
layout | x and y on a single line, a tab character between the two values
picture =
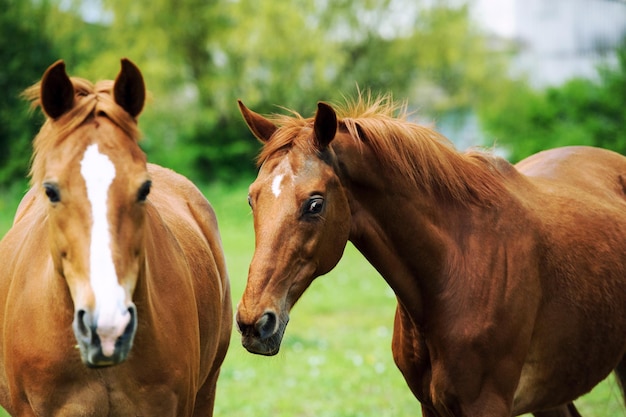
389	235
405	233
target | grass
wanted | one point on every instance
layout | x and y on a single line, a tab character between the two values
336	355
335	359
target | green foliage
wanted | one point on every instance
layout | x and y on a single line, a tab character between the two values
25	52
580	112
199	56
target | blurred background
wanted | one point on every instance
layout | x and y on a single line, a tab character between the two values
523	74
518	76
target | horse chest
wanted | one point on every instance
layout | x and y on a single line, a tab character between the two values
411	355
95	396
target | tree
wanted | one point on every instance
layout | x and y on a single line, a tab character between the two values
199	56
25	52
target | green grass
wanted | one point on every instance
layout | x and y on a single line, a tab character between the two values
336	355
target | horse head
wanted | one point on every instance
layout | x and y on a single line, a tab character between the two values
301	220
90	169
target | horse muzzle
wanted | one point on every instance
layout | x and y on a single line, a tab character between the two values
264	336
105	344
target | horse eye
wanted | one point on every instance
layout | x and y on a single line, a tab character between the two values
52	192
314	205
144	190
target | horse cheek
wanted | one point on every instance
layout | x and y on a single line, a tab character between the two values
335	238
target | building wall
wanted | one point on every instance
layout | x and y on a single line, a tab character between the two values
561	39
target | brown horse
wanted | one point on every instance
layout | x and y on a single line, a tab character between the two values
114	296
510	280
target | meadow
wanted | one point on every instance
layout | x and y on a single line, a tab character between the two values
335	360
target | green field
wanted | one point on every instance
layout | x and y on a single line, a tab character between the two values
336	356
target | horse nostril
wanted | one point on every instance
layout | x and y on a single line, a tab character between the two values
266	325
83	323
131	327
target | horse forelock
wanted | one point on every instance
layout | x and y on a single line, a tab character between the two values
91	100
417	153
290	133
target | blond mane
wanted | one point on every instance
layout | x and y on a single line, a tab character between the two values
426	158
90	100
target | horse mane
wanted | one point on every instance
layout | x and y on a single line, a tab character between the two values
426	158
90	100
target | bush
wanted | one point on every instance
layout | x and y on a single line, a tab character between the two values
580	112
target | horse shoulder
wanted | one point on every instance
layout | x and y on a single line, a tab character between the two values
26	204
411	355
23	247
180	202
186	216
26	274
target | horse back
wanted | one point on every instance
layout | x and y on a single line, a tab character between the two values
586	170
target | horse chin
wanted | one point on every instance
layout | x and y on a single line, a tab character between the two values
265	347
93	357
262	335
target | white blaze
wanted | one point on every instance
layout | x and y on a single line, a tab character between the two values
112	316
282	170
276	184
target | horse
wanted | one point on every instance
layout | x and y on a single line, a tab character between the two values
510	280
114	294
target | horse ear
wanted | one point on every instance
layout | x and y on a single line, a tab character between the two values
56	91
325	125
260	127
129	90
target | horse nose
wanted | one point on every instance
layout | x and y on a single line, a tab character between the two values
266	326
102	346
263	328
85	325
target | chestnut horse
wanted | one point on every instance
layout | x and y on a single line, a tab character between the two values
114	296
510	280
